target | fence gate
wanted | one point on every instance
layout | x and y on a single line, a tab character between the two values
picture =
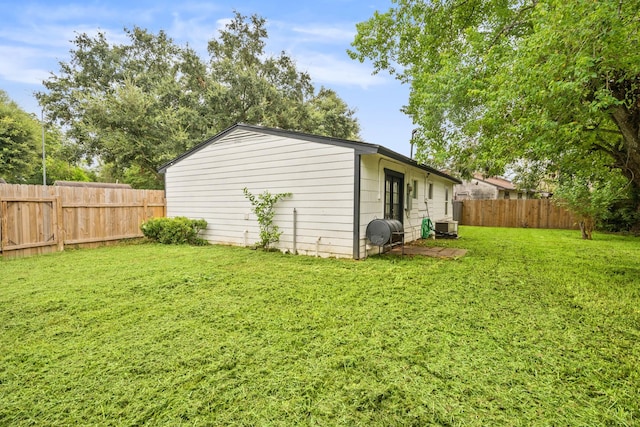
28	223
457	210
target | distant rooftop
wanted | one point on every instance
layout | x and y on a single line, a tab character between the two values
501	183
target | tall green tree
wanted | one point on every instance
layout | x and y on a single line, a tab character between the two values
252	87
494	82
249	86
129	105
329	115
20	137
136	105
21	149
62	160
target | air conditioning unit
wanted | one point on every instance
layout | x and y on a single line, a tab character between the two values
450	227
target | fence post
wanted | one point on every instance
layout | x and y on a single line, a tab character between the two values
3	225
59	223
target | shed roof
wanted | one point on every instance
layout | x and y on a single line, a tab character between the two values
358	147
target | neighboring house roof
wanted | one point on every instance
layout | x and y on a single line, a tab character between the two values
87	184
359	147
500	183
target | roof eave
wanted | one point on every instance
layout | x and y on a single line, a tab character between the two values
359	147
397	156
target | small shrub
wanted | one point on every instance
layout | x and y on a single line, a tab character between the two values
173	231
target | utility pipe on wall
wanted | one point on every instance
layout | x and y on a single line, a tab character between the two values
318	246
44	161
413	135
295	228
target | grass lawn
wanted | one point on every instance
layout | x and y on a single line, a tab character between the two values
531	327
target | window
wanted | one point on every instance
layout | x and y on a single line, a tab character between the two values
393	189
519	196
431	190
414	194
446	201
506	195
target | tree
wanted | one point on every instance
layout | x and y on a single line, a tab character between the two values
62	160
589	190
251	87
330	116
21	149
136	105
58	161
19	141
130	105
494	82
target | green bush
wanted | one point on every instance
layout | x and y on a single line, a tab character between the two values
173	231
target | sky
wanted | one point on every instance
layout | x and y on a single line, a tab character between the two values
35	36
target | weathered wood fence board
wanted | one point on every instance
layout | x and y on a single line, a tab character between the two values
533	213
36	219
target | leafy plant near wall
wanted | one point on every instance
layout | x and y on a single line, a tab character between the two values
174	231
262	206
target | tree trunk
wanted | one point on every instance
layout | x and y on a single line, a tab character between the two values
627	154
586	228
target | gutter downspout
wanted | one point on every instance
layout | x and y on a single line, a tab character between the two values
295	228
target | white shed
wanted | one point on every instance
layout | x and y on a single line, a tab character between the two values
338	186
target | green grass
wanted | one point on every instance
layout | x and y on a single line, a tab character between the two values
531	327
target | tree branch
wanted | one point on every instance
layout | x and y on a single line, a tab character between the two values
515	23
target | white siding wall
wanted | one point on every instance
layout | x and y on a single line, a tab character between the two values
208	184
372	198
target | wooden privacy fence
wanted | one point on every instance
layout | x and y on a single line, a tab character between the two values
534	213
36	219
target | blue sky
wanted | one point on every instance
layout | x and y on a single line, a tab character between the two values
35	37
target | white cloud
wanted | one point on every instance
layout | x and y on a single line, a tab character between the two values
19	65
41	36
31	54
325	34
306	45
320	50
329	69
51	39
197	31
40	13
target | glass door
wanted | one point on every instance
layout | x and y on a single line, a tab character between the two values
393	195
